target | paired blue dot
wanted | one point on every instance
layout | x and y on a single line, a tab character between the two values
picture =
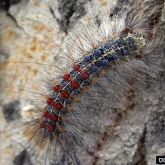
97	53
95	68
124	52
105	62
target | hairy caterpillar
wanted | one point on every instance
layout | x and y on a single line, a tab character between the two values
130	62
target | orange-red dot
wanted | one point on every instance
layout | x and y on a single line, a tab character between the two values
85	75
57	88
54	117
58	106
65	94
51	128
46	114
75	84
67	77
76	67
49	101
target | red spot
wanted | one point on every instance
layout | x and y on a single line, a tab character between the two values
51	128
76	67
58	106
57	88
46	115
65	94
49	101
42	124
85	75
75	84
54	117
67	77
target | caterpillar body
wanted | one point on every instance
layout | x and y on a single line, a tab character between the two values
102	69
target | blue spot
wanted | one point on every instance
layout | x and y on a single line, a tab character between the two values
97	53
87	59
113	57
119	43
124	52
108	45
95	68
105	62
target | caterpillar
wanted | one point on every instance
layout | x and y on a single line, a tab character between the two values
92	86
